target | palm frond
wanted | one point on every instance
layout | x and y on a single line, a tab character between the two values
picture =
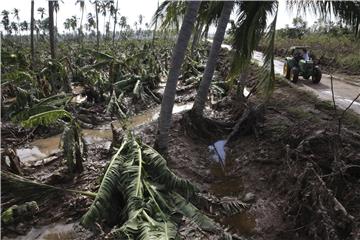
347	11
266	84
250	27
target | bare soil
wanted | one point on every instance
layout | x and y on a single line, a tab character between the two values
300	177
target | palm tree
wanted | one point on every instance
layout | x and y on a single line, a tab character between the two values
97	24
114	12
167	103
103	10
14	27
24	26
41	11
122	23
141	18
82	5
51	29
67	24
5	21
16	15
32	22
91	22
203	90
73	23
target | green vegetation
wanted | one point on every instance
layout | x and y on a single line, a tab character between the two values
126	70
334	46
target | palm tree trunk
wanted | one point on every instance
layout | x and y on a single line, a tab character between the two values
167	103
201	96
80	28
32	36
115	22
97	25
51	29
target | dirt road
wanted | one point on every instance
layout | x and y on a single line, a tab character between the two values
345	90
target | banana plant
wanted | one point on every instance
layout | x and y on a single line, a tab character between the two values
144	199
73	144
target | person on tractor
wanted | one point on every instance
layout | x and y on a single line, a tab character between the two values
306	55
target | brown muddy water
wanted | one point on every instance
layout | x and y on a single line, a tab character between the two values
57	231
101	136
225	185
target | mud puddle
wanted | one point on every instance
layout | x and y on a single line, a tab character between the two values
241	223
226	184
101	136
51	232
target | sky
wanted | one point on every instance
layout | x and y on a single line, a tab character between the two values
129	8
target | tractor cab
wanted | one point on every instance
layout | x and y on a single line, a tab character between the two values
299	63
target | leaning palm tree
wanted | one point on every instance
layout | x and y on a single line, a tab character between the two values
203	90
51	29
176	62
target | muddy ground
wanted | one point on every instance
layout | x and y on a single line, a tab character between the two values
300	178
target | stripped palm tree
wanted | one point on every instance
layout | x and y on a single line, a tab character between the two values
167	103
32	47
51	29
114	12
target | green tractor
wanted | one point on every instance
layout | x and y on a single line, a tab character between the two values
299	64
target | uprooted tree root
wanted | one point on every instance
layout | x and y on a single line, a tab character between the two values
324	200
197	126
246	122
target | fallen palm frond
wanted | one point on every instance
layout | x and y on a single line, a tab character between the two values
18	186
144	197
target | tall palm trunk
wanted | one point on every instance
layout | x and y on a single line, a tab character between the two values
115	22
51	29
32	21
81	20
97	25
203	90
167	103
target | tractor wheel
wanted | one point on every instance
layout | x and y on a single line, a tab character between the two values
286	71
316	77
306	77
294	75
